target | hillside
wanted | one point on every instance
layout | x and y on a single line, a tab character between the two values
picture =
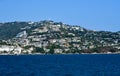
55	37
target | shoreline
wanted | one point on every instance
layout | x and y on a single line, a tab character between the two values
64	54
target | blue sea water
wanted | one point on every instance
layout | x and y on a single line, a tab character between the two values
60	65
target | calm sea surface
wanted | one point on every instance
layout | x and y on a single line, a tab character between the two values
60	65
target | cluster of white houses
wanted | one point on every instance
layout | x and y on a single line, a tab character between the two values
10	49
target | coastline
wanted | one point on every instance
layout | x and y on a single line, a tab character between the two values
63	54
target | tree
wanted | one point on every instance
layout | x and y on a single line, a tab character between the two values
39	50
51	51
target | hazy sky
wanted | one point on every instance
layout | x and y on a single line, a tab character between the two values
91	14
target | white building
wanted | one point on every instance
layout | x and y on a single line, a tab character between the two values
17	50
6	48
